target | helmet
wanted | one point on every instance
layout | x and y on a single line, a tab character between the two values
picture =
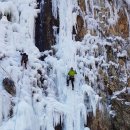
71	68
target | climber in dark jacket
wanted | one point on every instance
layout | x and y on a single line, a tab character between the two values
24	59
70	77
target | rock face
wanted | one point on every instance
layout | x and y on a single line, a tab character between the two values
99	122
9	86
106	121
122	24
116	76
44	26
81	30
110	19
121	121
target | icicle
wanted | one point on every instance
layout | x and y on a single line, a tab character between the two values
87	8
94	98
55	5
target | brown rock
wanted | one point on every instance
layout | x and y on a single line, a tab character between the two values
99	122
128	81
122	26
121	62
9	86
122	118
82	5
44	37
81	30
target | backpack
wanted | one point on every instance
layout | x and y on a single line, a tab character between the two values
25	57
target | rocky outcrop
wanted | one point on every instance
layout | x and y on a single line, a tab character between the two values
44	33
9	86
100	121
122	26
121	106
81	30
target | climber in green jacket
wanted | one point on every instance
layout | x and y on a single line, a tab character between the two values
70	77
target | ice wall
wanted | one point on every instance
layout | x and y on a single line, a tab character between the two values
43	101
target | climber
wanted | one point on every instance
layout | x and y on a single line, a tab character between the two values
24	59
70	76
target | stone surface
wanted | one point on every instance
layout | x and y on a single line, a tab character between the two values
99	122
81	30
44	26
121	120
9	86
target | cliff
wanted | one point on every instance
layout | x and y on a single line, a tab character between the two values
92	36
